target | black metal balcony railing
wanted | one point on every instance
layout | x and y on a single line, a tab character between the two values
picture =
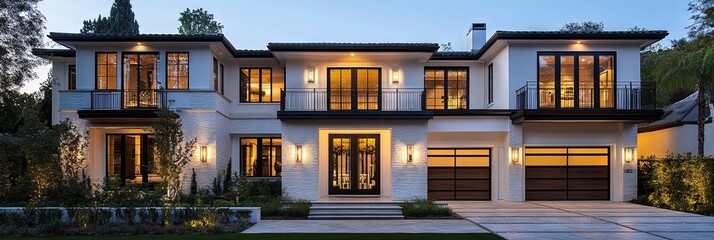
127	99
626	95
320	99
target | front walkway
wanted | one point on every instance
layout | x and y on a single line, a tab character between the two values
365	226
584	220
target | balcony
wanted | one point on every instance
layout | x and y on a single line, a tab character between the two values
353	103
123	104
628	101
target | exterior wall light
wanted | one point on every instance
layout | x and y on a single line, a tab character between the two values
515	155
630	154
298	154
395	75
410	153
311	74
204	154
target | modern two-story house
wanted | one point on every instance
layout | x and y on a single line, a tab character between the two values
522	115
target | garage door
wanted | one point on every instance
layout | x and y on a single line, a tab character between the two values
567	173
459	173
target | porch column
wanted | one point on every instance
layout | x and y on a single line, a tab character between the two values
628	171
515	178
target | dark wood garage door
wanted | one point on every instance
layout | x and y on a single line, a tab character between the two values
459	173
568	173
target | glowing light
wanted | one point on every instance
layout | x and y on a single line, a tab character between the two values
515	155
298	154
352	54
395	75
410	153
311	74
630	154
204	154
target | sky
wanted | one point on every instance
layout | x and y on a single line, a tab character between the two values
253	24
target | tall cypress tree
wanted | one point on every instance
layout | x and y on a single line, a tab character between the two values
121	20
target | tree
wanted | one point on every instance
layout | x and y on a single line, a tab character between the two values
121	20
703	16
587	26
445	47
678	44
169	152
637	29
198	21
21	26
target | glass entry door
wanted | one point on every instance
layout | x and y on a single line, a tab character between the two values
354	164
140	75
354	88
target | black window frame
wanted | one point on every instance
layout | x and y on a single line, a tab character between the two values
353	89
259	150
576	77
490	83
222	77
118	65
446	85
241	88
72	77
214	77
144	170
188	71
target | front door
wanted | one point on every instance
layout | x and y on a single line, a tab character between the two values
354	164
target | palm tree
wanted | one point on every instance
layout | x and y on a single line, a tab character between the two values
692	66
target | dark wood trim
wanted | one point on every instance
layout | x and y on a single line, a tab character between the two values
455	169
354	152
188	71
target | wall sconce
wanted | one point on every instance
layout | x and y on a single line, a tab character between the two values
410	153
395	75
515	155
311	74
630	154
298	154
204	154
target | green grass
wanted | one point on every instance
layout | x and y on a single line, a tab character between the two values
302	236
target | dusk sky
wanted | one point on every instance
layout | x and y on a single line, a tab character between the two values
253	24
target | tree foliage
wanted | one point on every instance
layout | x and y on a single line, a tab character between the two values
198	21
170	151
703	16
121	20
586	26
445	47
21	26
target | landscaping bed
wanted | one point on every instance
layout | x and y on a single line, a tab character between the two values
421	208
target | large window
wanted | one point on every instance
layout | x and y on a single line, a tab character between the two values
261	157
72	78
223	78
257	85
490	83
140	75
130	158
177	70
446	88
576	80
106	71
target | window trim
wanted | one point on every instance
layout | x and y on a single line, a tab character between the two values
188	71
259	167
260	85
576	74
71	86
96	70
222	77
214	77
490	83
446	85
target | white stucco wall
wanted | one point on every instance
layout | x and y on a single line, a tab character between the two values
675	140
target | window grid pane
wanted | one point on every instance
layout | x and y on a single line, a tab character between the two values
106	75
261	157
177	70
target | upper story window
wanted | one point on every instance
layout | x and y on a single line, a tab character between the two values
257	85
72	78
177	70
446	87
261	157
214	77
490	83
576	80
106	71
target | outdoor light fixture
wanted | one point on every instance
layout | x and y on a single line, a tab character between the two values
298	154
311	74
204	154
410	153
515	155
395	75
629	154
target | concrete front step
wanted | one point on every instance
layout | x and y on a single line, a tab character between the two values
354	210
354	217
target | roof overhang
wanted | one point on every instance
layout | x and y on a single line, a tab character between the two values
585	115
50	53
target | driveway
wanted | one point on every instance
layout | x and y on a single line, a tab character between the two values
584	220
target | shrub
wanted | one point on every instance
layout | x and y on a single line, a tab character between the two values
425	208
279	207
680	182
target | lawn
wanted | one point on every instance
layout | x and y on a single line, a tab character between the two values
305	236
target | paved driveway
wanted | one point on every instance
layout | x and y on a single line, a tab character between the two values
584	220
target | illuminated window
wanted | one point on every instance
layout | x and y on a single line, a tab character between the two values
258	85
177	70
106	71
261	157
576	80
446	88
130	158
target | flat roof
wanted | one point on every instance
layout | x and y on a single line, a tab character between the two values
353	47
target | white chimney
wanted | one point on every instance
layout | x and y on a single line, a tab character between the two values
476	36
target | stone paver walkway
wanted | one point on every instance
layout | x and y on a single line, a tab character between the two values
365	226
584	220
